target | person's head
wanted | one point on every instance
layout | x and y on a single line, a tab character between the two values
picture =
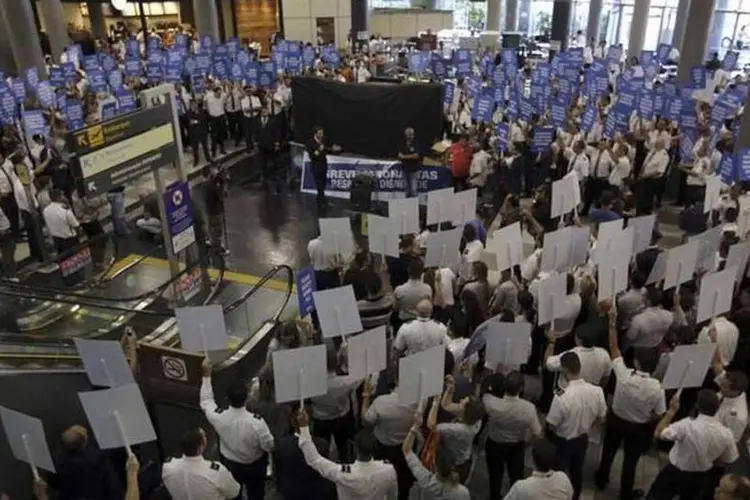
318	132
409	134
471	305
571	365
579	147
494	384
264	113
733	384
707	402
237	394
473	411
416	268
44	182
514	382
544	454
659	145
193	442
479	270
730	215
364	445
607	199
362	260
469	233
586	336
373	285
56	195
645	359
39	139
289	335
732	487
654	296
424	309
217	90
75	438
407	244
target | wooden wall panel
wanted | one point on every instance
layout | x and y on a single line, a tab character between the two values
257	19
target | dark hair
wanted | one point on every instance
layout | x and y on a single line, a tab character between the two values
571	363
480	270
406	241
514	383
647	358
730	214
544	454
570	284
450	363
445	463
316	129
416	268
587	335
191	442
473	411
654	296
707	402
638	279
494	384
606	198
469	233
56	195
364	443
373	284
737	380
237	394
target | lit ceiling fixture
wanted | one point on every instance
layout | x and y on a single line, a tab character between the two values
119	4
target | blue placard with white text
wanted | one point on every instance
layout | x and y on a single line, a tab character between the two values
543	138
179	211
306	286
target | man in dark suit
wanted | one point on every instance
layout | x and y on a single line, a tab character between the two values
267	140
318	152
296	480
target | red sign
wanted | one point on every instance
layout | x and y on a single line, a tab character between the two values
75	262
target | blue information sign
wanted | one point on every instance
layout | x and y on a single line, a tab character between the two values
305	287
179	215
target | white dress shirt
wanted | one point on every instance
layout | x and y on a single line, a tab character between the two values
656	135
472	253
552	485
701	169
243	436
656	163
233	101
594	135
620	171
318	258
198	478
60	220
420	335
215	105
595	364
251	105
732	412
578	163
390	419
601	163
574	411
638	396
700	442
510	419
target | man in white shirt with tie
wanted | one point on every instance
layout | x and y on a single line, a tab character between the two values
601	166
652	174
215	106
578	160
251	106
233	108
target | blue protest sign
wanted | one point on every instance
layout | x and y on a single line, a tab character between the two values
662	52
610	126
35	123
97	81
306	286
330	55
252	73
46	94
511	110
598	66
203	62
132	67
133	48
91	62
418	61
189	66
179	211
729	63
486	64
237	72
575	54
509	59
672	108
221	50
727	172
32	77
646	105
502	134
688	115
308	57
646	57
462	60
558	113
173	73
74	114
698	77
126	101
56	76
449	90
174	57
687	142
233	46
198	83
439	68
267	74
207	43
473	86
543	139
69	72
614	53
115	79
156	56
8	102
589	117
180	40
627	98
18	88
721	111
242	58
109	109
153	43
483	107
294	64
742	165
279	58
154	72
221	70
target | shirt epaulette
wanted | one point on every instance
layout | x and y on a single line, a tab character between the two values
219	410
257	417
215	465
559	392
346	468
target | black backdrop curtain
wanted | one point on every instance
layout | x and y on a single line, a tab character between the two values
368	118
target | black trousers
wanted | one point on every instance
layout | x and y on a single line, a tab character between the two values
594	189
184	128
319	175
647	189
252	476
235	128
8	254
395	455
218	126
32	234
502	456
342	430
198	139
10	208
571	453
672	482
635	439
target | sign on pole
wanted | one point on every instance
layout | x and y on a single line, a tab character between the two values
179	210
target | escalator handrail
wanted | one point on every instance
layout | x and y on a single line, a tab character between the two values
268	276
77	299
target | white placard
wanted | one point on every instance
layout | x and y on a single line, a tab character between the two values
383	235
716	294
300	373
579	245
442	248
608	232
490	259
441	206
421	375
737	257
659	269
508	246
26	439
202	328
563	196
508	344
405	213
612	278
336	234
556	250
118	416
712	194
709	246
743	217
366	353
104	362
552	289
681	263
337	311
688	365
643	230
465	206
575	187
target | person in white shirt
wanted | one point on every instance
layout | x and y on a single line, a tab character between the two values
652	174
571	416
244	438
7	248
578	160
480	167
637	400
544	482
472	252
732	412
601	166
233	108
421	334
327	267
61	222
192	476
700	443
724	334
620	167
596	365
251	108
215	103
182	99
361	73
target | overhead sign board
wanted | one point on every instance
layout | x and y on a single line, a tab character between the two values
119	150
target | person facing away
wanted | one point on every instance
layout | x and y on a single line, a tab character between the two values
420	334
544	482
365	479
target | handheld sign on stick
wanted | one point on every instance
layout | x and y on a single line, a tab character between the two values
337	311
405	211
336	235
442	248
367	353
681	262
716	294
104	362
688	365
300	373
508	343
421	375
27	441
202	328
507	245
440	206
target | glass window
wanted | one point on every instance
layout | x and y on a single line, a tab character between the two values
721	35
579	16
391	4
653	28
171	8
626	19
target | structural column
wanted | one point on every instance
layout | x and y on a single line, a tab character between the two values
493	15
206	18
561	23
96	18
360	20
511	15
595	17
638	27
54	25
22	36
680	23
693	48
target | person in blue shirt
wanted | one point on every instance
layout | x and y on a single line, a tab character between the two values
605	212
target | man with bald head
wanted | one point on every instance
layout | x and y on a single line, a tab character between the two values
420	334
84	471
652	175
